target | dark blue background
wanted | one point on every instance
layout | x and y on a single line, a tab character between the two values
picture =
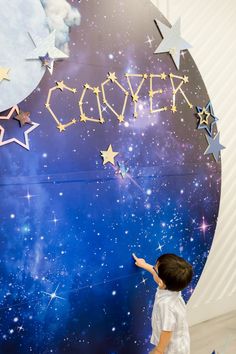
77	231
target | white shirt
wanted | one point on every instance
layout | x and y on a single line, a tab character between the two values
169	314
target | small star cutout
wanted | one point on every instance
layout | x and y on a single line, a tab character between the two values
109	155
23	118
4	74
135	98
83	117
112	77
47	62
60	85
151	94
163	76
173	109
96	90
121	118
185	79
61	127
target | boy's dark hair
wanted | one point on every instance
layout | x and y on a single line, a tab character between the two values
174	271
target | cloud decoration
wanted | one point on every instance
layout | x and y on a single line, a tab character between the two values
61	16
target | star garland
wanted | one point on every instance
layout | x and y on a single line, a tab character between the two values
184	80
162	76
4	74
83	117
59	86
112	77
134	95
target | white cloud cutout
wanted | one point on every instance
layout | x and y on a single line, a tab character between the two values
61	16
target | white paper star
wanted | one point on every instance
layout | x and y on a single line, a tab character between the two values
172	41
44	46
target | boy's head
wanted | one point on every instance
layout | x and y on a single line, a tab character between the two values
173	271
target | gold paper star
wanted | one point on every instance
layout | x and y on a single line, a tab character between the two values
173	109
151	94
109	155
112	77
61	127
96	90
83	117
121	118
185	79
135	98
60	85
163	76
4	74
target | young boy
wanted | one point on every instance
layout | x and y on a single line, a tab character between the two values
170	333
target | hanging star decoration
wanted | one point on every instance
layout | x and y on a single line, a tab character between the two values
214	146
4	74
172	42
26	133
206	118
23	118
121	169
46	45
109	155
47	62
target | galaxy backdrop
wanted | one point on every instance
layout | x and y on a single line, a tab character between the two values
69	223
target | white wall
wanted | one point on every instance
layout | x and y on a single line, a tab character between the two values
210	26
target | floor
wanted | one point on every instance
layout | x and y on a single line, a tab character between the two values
218	334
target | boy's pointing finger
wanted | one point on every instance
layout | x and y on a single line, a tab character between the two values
134	256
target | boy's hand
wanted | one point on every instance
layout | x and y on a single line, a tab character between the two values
140	262
156	351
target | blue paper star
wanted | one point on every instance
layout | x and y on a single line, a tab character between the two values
214	146
205	114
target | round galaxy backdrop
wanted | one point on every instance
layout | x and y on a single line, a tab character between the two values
115	166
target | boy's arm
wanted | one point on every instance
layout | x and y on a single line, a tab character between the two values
163	342
140	262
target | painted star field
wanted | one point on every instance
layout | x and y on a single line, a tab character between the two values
69	224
